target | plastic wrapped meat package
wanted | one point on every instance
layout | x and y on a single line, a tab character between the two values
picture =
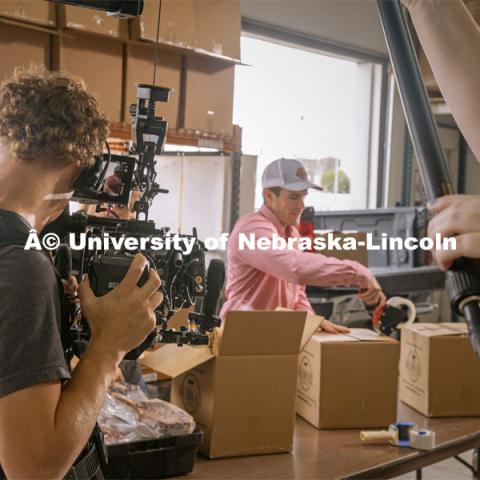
129	416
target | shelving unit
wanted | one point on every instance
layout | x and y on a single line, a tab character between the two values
231	144
222	139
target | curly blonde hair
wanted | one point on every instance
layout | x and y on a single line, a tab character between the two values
51	117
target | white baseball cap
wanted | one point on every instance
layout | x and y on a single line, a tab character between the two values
287	173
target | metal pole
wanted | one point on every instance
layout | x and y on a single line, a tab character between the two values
421	124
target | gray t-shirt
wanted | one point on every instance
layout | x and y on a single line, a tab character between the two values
30	314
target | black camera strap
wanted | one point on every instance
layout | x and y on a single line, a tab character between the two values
94	455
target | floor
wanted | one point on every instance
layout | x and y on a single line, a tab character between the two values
450	469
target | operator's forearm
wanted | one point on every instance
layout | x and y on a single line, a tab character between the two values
80	403
451	41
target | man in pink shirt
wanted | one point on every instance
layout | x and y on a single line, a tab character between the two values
264	279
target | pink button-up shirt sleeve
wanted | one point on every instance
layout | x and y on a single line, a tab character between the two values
299	267
266	279
302	304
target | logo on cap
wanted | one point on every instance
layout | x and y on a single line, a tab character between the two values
301	173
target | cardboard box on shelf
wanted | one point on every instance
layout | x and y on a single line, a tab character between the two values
210	25
209	96
360	254
217	27
176	22
439	372
20	47
99	62
90	20
32	11
140	60
241	392
348	381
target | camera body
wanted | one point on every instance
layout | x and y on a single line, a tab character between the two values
182	272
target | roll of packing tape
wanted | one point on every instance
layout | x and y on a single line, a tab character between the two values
404	302
376	436
422	439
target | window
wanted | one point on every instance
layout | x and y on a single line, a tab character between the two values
298	103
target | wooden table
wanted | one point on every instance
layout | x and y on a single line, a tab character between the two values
330	454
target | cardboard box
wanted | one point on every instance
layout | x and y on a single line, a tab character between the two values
176	22
32	11
91	20
20	47
209	95
140	60
348	381
210	25
242	392
99	62
180	318
359	255
439	372
217	27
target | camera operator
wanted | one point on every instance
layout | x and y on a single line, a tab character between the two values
50	130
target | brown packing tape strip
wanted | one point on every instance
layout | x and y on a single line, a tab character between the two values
216	340
321	319
379	436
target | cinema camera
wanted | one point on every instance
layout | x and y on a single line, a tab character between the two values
182	272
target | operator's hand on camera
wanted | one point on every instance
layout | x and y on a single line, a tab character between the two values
70	288
122	318
456	216
373	294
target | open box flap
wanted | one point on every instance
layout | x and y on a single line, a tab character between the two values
439	329
262	332
172	360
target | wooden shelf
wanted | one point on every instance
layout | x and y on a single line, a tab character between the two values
191	138
162	47
186	51
30	26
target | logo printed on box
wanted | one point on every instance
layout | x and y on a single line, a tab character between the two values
305	374
413	365
191	394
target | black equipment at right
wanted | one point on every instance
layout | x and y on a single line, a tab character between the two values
463	279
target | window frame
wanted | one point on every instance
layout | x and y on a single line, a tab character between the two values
377	149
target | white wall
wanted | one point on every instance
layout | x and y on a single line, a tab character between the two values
349	22
197	188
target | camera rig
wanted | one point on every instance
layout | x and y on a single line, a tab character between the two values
111	180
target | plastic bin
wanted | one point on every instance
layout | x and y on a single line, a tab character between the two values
158	458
